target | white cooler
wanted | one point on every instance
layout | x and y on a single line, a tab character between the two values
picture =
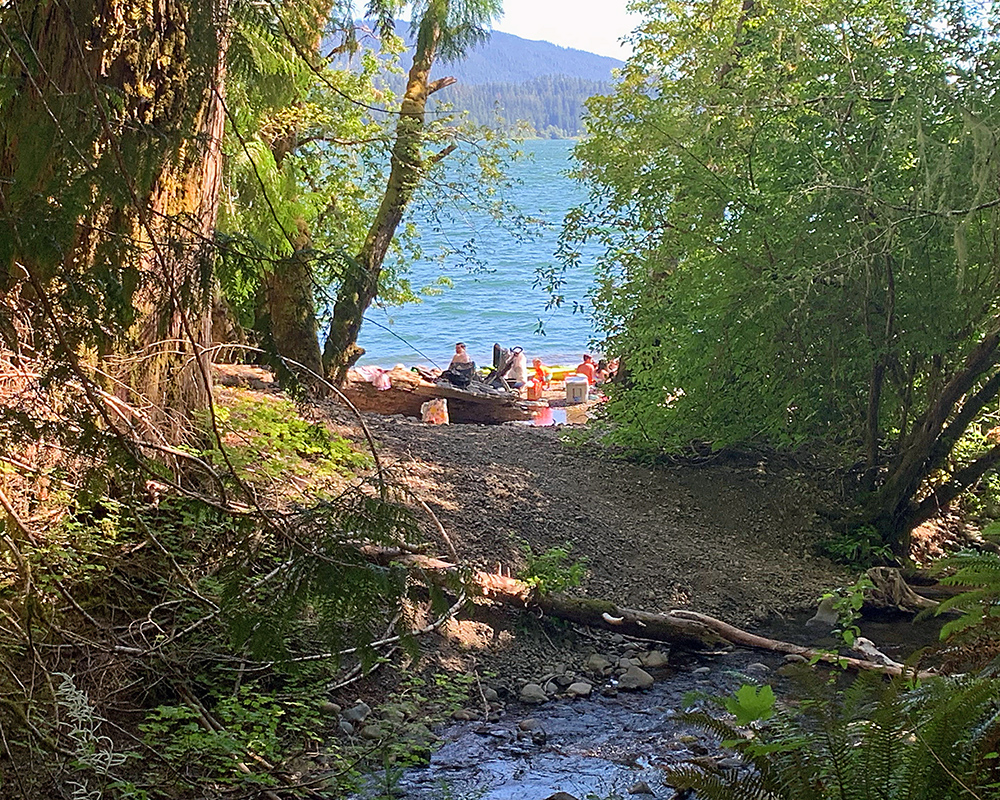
576	388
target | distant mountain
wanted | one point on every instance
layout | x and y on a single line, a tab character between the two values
506	58
537	82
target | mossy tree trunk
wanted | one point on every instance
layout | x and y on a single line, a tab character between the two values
110	164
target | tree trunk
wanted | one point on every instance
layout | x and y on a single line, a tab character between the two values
893	510
676	626
125	101
290	316
360	283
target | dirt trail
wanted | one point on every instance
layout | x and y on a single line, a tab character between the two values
733	542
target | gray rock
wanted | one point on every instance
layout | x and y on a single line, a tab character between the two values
346	727
597	664
529	724
372	732
357	713
655	659
635	678
729	763
640	788
533	693
625	663
580	689
561	796
701	671
562	681
757	668
330	708
464	714
826	614
490	694
551	688
795	658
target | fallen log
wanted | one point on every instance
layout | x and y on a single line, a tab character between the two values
678	626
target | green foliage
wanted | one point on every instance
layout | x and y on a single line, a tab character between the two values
861	547
793	199
552	572
847	602
266	438
878	740
751	703
978	625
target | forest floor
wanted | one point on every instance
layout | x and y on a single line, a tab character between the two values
733	539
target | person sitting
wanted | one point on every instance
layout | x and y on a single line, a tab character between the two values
541	376
517	376
603	371
587	369
461	370
461	356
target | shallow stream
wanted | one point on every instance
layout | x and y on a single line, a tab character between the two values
618	746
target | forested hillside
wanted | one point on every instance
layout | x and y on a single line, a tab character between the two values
518	80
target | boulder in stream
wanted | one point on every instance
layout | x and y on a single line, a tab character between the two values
533	693
635	678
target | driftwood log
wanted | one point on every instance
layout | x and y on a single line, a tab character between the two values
678	627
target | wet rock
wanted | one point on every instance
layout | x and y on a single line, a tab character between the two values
640	788
562	796
729	763
464	714
539	737
655	659
701	671
530	724
757	669
795	658
579	689
635	678
609	691
330	708
533	693
357	713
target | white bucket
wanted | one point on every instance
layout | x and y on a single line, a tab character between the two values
576	388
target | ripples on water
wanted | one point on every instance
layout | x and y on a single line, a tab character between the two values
501	305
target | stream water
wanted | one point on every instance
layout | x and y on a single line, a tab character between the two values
608	747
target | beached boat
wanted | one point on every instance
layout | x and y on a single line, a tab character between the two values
408	391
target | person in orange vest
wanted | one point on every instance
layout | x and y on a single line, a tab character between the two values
541	376
587	369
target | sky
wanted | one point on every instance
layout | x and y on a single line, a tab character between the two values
591	25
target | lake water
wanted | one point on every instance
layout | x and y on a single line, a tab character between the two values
498	305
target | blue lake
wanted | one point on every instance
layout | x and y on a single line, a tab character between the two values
498	304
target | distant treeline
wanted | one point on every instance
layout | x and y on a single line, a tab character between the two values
552	104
